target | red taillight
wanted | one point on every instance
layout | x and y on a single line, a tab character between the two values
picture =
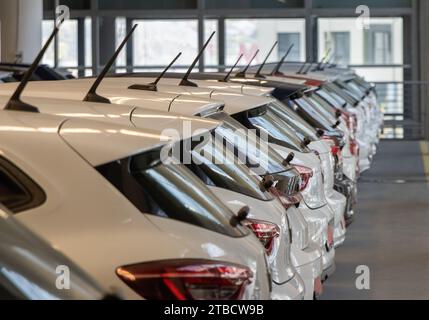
266	232
351	120
335	150
318	287
354	147
187	279
286	200
306	174
330	237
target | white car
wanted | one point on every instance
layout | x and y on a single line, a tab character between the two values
222	91
301	260
245	190
83	187
29	265
235	103
367	139
76	90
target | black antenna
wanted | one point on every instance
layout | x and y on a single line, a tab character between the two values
319	65
185	81
153	85
15	102
232	69
92	95
258	73
242	74
276	70
308	69
303	65
327	60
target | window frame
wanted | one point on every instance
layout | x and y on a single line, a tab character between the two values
36	196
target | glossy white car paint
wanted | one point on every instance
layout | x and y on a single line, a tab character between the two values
287	283
85	217
157	121
185	104
29	267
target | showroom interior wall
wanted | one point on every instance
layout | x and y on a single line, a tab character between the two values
21	32
423	43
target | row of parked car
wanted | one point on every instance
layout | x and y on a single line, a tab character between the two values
91	181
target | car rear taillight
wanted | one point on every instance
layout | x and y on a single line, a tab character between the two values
187	279
306	174
287	200
334	148
354	147
318	287
351	120
266	232
330	237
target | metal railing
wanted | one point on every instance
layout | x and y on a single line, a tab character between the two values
403	114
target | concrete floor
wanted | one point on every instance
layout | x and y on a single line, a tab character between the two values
390	234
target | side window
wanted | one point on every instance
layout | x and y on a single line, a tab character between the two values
7	291
18	192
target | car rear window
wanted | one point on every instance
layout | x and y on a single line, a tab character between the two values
169	191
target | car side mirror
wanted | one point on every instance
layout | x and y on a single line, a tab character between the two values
267	182
305	142
338	114
288	159
336	124
240	216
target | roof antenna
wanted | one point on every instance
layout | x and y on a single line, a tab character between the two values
303	65
153	85
308	69
92	95
258	73
185	81
276	70
326	63
232	68
15	102
326	55
242	74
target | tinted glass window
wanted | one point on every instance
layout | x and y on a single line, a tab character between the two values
308	112
356	88
247	144
342	93
170	191
302	128
221	168
322	108
331	97
7	291
356	95
265	119
17	191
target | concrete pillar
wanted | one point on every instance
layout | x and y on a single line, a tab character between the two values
20	29
107	39
423	7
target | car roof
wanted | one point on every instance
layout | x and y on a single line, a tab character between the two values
143	118
234	102
183	100
174	79
97	142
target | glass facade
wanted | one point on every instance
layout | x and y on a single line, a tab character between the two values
167	27
245	36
